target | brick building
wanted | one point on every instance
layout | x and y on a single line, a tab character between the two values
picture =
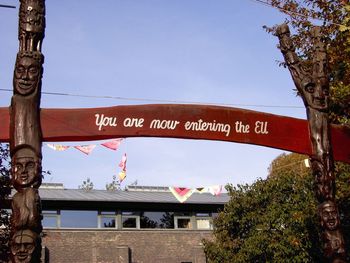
137	225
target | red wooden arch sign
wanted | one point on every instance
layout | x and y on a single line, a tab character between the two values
182	121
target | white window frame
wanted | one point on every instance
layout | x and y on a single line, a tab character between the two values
137	217
176	226
102	215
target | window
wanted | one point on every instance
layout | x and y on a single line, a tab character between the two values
50	219
157	220
130	220
183	222
204	221
108	219
78	219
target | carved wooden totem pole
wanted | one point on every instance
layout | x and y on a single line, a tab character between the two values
312	82
25	134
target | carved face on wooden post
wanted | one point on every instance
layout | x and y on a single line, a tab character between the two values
28	73
23	246
329	215
316	93
26	169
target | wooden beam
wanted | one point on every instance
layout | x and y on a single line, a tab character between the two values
181	121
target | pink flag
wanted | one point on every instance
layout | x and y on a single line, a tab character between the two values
57	147
122	163
181	193
113	144
87	149
215	189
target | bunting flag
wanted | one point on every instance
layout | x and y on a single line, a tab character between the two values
57	147
113	144
201	190
122	163
87	149
215	189
181	193
122	176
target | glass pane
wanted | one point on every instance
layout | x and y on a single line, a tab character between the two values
157	220
184	223
49	221
203	224
107	222
79	219
129	222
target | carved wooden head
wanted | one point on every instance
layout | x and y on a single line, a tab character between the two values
316	93
23	245
26	169
329	215
28	72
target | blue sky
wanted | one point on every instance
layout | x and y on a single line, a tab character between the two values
195	51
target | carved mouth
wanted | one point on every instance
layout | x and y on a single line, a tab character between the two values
320	102
22	255
25	85
331	222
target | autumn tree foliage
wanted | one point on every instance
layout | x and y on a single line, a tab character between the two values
275	220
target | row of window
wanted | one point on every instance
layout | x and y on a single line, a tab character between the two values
126	219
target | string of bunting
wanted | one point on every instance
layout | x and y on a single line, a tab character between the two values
87	149
180	193
183	193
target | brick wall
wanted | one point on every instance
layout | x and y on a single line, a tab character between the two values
138	246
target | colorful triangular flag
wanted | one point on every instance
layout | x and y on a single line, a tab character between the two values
215	189
113	144
122	176
201	190
57	147
181	193
87	149
122	163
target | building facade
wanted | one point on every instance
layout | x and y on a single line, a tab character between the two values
136	225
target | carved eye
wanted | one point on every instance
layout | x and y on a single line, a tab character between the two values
30	165
18	167
29	246
310	88
20	70
33	70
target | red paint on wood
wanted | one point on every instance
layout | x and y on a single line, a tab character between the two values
284	133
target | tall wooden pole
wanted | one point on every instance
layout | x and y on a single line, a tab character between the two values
312	82
25	134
